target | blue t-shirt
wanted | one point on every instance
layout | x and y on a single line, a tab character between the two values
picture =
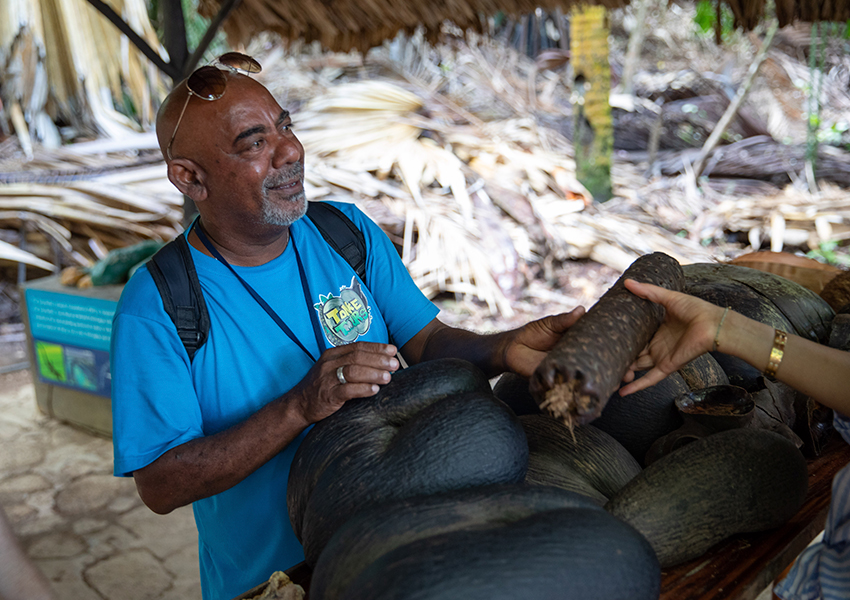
160	400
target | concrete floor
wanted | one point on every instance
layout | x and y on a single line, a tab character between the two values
86	530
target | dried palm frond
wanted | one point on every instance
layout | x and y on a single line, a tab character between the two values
96	210
10	253
62	60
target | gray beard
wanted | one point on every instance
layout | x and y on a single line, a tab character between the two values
285	214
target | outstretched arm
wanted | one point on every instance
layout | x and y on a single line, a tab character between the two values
519	350
209	465
691	326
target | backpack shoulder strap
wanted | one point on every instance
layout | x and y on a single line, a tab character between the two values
341	234
174	274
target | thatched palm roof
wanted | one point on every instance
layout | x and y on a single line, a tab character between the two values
748	13
362	24
343	25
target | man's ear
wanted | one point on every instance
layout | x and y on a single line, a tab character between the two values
188	177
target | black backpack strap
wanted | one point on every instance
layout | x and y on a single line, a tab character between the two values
341	234
173	272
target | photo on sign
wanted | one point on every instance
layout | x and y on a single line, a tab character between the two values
51	361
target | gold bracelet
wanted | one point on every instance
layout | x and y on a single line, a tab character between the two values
717	334
776	353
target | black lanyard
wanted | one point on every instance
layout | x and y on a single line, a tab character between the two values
316	330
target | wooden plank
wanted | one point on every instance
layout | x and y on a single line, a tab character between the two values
742	566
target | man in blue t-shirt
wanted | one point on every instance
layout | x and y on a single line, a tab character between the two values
294	333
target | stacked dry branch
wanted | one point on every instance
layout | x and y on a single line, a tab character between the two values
790	218
61	61
71	206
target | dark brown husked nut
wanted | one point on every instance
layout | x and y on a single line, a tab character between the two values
586	366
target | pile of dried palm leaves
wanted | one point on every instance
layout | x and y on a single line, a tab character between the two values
472	204
71	205
61	61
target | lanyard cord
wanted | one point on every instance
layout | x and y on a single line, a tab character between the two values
206	242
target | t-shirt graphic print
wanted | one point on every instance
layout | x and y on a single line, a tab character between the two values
346	317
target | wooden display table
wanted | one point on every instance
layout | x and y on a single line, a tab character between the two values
741	567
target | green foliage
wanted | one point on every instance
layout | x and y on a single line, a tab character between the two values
196	27
153	15
706	17
835	134
126	106
831	253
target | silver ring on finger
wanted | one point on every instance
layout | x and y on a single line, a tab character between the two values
340	376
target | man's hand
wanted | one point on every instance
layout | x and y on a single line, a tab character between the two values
208	465
363	366
528	345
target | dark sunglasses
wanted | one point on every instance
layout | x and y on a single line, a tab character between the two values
209	82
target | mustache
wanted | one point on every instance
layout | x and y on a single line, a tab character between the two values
284	175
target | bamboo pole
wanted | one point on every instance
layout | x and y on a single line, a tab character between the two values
733	107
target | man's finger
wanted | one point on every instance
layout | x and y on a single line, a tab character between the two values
357	373
564	321
350	391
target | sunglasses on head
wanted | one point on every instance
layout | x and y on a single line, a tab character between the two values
209	82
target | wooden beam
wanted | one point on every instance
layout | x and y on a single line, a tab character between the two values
174	36
107	11
224	12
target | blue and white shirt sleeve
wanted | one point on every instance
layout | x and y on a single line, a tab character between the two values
822	571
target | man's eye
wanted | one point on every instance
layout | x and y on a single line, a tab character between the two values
257	144
287	127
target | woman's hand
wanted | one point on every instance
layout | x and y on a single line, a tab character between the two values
688	330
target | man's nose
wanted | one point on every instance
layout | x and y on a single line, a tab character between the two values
287	150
